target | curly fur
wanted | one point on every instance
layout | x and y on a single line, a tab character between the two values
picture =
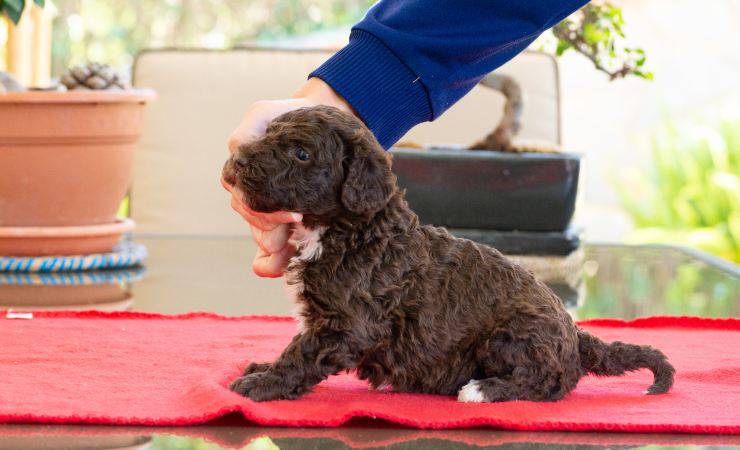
405	304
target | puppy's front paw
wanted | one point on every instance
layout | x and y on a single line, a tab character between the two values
256	368
259	386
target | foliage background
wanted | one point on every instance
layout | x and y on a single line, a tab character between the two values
114	31
689	193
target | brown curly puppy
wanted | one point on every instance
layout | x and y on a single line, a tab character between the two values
404	304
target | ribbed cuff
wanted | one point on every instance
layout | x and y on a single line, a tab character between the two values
386	94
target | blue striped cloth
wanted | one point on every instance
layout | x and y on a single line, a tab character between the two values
125	254
116	276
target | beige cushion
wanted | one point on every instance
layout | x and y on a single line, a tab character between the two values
202	95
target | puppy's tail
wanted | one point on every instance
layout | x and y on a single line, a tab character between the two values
617	358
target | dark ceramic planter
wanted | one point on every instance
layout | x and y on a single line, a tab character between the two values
488	190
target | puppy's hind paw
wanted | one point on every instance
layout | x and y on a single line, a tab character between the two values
471	393
240	385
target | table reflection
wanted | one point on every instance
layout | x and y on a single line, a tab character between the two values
232	432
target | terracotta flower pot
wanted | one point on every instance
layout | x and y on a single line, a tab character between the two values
66	157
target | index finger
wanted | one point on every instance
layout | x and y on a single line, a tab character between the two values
251	127
239	137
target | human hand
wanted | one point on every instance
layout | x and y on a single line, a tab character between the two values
272	231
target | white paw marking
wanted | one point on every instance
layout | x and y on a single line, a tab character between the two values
308	245
471	393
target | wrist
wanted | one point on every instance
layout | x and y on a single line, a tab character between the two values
316	91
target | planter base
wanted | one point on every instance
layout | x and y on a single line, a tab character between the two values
62	241
525	242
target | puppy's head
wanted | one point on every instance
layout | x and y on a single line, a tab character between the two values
317	161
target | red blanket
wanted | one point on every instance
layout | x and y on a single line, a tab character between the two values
145	369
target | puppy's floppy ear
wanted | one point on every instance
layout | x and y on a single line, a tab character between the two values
369	182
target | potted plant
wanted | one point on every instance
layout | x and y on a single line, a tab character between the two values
502	185
66	157
505	185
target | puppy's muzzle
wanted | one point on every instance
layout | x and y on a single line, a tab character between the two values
235	164
239	160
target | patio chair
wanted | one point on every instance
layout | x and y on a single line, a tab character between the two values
202	95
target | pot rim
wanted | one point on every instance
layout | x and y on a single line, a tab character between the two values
87	96
32	232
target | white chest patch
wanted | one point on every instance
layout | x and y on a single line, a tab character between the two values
308	245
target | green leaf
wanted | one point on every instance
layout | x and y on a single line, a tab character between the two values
562	47
15	4
646	75
14	9
40	3
592	34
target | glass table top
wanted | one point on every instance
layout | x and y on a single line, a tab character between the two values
184	274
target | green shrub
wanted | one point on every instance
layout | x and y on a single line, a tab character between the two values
690	195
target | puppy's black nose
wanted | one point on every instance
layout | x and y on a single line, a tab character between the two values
240	161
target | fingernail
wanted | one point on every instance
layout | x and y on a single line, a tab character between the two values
297	217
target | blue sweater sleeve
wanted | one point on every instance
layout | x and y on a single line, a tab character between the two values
408	61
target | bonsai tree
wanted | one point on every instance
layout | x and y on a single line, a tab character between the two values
595	31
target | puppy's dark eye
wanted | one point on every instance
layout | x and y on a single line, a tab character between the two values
301	154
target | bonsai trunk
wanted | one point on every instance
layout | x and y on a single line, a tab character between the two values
501	138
